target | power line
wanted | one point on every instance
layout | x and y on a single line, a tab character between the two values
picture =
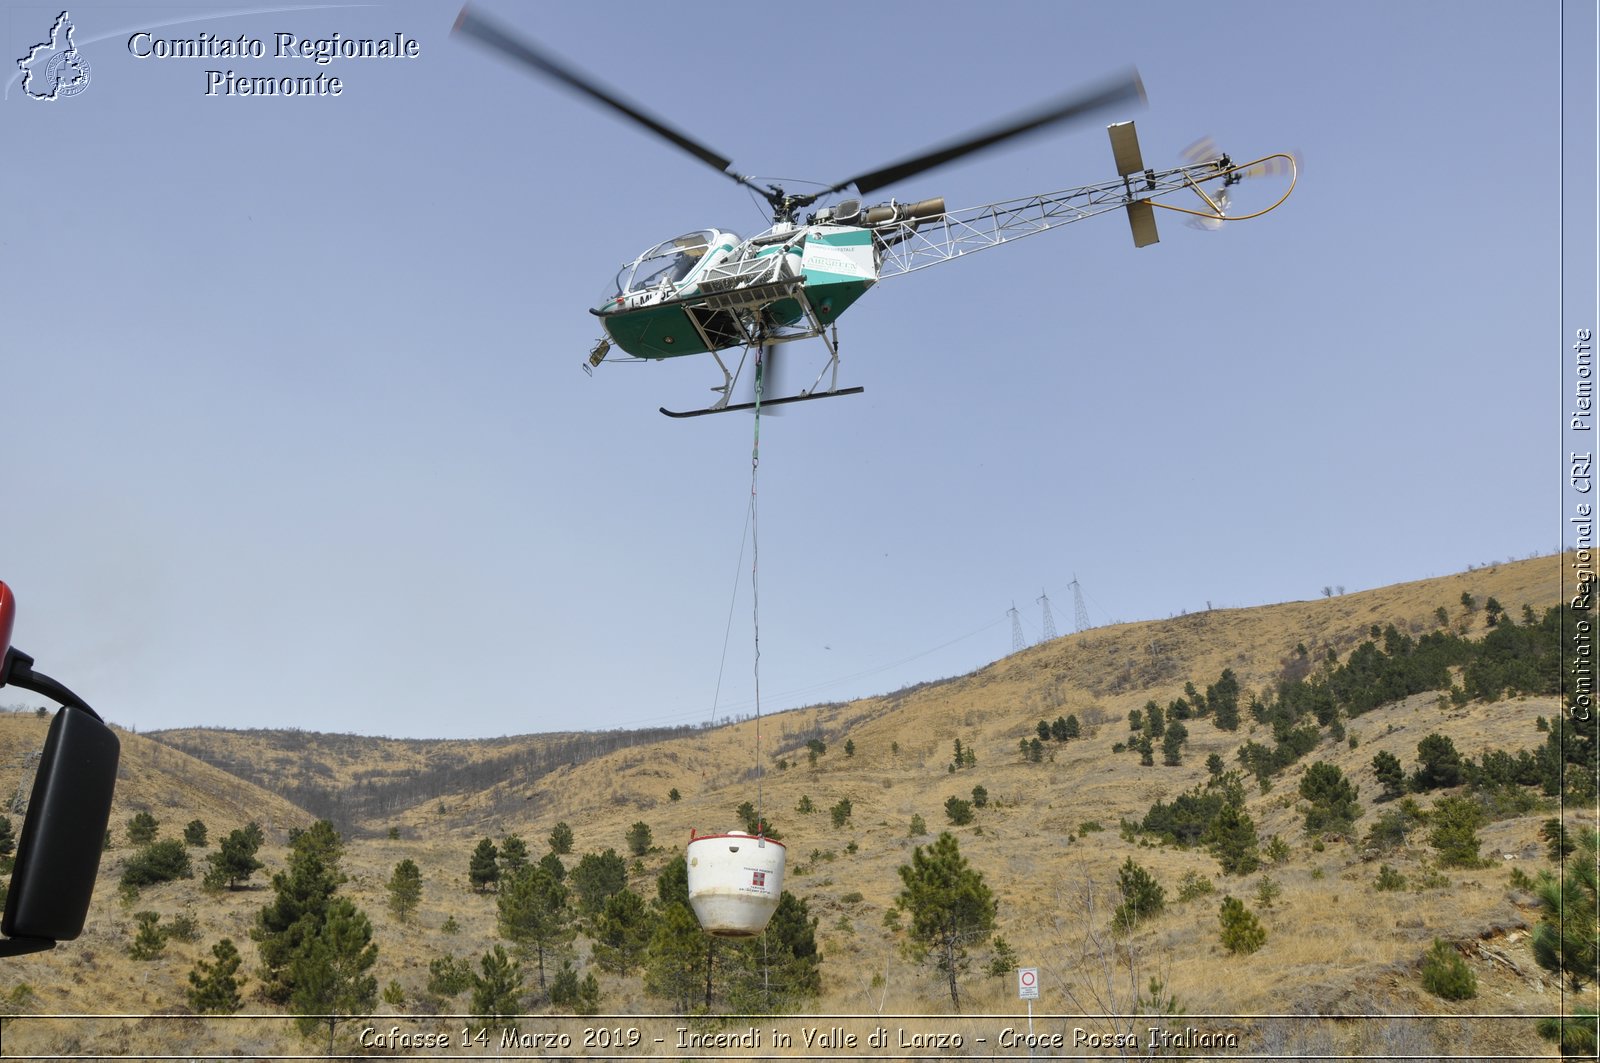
1017	641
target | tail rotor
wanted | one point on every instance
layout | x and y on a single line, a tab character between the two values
1204	150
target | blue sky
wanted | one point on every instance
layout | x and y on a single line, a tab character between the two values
296	433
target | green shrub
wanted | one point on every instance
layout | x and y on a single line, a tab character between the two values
157	862
150	940
1455	831
840	813
1142	896
142	828
183	928
1389	879
1242	932
449	976
1394	825
1193	884
1445	974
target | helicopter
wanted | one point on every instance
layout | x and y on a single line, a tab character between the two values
710	291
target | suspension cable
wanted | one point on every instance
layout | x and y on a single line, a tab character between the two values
755	597
755	591
727	632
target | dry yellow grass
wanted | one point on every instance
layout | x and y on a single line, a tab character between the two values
1334	943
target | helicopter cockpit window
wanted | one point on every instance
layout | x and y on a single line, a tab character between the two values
667	262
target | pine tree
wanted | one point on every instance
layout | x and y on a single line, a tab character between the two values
1439	764
214	987
320	838
484	867
1333	804
639	839
405	889
1004	960
958	811
553	866
330	969
596	877
678	959
448	976
300	905
149	942
1567	940
790	945
142	828
622	932
496	991
949	905
561	839
534	917
1232	839
1222	700
1155	721
1242	932
1391	776
568	991
513	855
1455	831
1172	744
195	834
1142	897
234	861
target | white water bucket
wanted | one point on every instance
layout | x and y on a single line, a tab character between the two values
735	882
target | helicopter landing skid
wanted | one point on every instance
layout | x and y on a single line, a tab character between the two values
764	402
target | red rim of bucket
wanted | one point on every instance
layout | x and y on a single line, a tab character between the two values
749	837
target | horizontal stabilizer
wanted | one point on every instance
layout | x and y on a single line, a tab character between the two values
1125	148
1142	217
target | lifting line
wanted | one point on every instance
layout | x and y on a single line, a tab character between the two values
755	598
755	592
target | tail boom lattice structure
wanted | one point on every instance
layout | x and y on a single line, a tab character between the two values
928	241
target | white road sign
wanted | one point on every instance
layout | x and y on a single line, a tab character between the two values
1027	983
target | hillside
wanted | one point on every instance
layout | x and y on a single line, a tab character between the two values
355	780
1047	839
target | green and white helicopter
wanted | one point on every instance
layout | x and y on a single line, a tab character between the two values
711	291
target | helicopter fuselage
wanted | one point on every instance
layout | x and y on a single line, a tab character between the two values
711	290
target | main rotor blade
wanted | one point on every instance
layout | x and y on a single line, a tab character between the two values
1118	90
475	25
